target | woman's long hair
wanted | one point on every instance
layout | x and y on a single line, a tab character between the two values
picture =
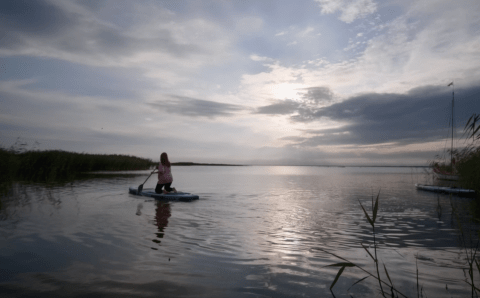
164	159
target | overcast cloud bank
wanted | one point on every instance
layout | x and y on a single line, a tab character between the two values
313	82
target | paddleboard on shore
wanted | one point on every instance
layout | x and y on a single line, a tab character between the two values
150	192
442	189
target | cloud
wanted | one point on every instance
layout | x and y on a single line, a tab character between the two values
91	4
310	99
249	25
106	141
420	115
316	95
39	28
68	31
380	119
296	139
99	124
255	57
37	108
33	18
416	48
281	107
306	32
350	9
193	107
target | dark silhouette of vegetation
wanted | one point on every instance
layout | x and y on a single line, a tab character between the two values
55	165
468	165
467	160
468	169
385	283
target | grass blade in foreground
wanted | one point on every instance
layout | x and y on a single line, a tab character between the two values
388	276
366	214
358	282
347	263
375	208
336	277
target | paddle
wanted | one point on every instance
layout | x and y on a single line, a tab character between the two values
140	188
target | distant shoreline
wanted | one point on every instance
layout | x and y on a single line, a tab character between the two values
204	164
324	166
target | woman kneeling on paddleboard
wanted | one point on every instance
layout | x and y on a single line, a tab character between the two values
164	175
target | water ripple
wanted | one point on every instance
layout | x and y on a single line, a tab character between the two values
259	231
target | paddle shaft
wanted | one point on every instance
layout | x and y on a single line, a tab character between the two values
140	188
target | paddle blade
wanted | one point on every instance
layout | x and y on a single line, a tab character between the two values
139	190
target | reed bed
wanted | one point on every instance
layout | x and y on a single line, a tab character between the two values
468	168
54	165
467	159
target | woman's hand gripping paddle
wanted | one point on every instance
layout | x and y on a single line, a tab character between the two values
140	188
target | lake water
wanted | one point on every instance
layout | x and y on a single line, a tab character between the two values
256	231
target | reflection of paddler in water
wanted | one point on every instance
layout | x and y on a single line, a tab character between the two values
162	213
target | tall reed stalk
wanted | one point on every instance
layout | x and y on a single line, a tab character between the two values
470	253
394	292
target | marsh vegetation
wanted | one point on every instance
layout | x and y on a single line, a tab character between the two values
467	159
57	165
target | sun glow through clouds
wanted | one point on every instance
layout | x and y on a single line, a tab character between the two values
286	90
256	81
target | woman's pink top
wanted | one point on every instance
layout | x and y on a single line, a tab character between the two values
164	174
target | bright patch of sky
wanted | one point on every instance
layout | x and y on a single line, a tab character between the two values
266	82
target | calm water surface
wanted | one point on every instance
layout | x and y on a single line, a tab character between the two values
255	232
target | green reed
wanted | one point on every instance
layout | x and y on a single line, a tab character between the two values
9	163
467	159
468	168
53	165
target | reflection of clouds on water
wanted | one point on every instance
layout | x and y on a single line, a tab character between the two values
255	234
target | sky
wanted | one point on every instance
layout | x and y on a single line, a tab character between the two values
305	82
